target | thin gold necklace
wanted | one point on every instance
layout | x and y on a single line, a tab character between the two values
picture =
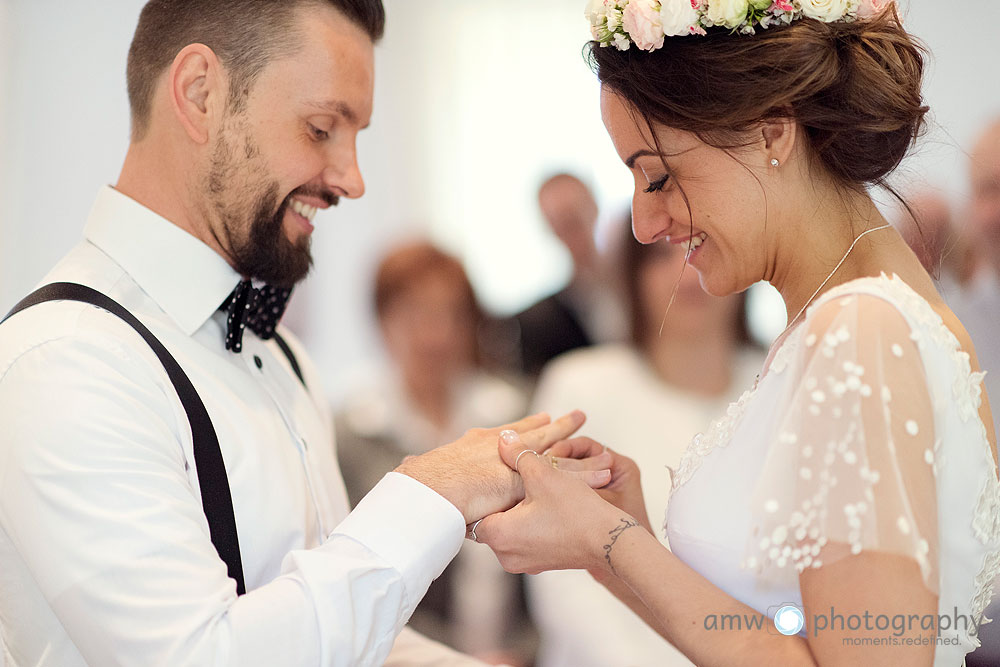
821	286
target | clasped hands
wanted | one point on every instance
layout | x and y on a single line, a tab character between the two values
536	516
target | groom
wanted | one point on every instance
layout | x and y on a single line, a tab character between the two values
124	537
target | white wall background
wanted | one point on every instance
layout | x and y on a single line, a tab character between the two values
475	103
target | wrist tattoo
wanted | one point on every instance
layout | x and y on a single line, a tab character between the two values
614	534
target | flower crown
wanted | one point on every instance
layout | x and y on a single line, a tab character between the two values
646	22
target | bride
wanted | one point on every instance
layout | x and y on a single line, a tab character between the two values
846	509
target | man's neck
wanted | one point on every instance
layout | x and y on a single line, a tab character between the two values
148	176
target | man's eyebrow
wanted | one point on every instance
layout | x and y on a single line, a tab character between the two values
339	108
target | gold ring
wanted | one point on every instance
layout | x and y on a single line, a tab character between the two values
554	462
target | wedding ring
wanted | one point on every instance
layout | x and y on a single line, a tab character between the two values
472	531
518	459
553	462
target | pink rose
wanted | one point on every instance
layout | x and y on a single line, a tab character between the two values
872	8
641	20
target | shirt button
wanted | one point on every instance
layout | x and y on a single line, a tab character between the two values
256	360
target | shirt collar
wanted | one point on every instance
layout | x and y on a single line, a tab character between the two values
185	277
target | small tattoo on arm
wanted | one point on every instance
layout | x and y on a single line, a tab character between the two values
614	534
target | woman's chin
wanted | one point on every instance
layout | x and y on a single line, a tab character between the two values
718	285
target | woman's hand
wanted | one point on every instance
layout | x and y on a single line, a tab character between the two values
624	490
469	473
562	523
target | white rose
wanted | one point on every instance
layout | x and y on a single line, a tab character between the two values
677	17
595	8
826	11
730	13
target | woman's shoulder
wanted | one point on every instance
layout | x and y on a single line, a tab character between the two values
883	304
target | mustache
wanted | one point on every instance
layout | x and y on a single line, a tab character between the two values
328	197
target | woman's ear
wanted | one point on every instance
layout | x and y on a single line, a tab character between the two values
779	140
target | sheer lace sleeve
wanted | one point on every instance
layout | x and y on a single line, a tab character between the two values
851	464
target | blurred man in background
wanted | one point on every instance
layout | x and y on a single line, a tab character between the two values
929	229
588	310
979	310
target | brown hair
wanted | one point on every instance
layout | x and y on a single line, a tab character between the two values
244	34
854	88
408	264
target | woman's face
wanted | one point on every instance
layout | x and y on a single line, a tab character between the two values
694	312
724	209
429	329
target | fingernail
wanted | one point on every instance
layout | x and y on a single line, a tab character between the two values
603	475
509	436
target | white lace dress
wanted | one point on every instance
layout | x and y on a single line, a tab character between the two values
865	431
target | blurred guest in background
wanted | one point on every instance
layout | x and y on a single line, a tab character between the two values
928	228
978	303
429	319
656	392
979	310
585	312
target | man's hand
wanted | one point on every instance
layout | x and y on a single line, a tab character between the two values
470	474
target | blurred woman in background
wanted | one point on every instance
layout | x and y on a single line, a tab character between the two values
655	393
435	390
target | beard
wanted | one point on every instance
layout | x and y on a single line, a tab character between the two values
252	216
264	252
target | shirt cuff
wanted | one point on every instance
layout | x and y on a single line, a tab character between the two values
409	525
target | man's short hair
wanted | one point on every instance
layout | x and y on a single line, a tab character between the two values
244	34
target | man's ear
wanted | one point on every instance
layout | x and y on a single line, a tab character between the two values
779	139
197	88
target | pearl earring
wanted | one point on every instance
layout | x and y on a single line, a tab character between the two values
774	162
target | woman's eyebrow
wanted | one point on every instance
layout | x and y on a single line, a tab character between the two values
630	162
645	152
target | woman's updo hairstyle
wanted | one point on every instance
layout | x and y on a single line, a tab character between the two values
854	88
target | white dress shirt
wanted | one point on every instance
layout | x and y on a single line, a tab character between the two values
105	555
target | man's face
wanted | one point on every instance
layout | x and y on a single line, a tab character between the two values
984	216
570	209
292	150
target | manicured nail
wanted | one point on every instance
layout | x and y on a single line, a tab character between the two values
509	436
603	475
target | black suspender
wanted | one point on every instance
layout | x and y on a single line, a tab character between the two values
216	498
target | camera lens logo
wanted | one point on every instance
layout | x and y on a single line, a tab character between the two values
789	620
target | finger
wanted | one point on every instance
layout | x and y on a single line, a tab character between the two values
599	462
528	423
486	530
544	437
576	448
511	448
595	479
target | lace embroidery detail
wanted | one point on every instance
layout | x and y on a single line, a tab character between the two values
984	590
720	433
702	444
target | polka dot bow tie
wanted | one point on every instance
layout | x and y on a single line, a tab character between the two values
260	309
